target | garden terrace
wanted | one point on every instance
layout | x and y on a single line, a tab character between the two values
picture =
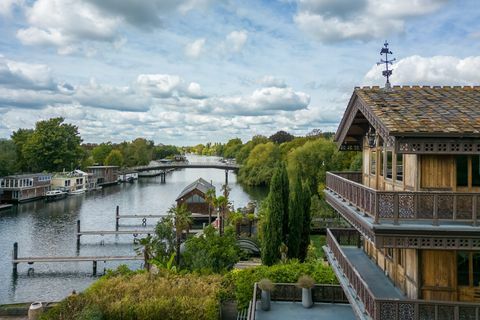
330	302
373	295
406	219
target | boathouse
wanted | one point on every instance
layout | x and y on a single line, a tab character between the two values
414	249
194	196
74	182
104	175
24	187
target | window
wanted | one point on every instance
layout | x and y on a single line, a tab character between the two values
380	164
373	162
389	164
195	199
476	269
389	253
401	260
399	176
462	171
463	278
476	171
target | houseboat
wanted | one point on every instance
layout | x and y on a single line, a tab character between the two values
57	194
127	176
414	248
74	182
105	175
24	187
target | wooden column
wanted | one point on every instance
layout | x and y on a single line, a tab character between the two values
78	234
15	257
117	218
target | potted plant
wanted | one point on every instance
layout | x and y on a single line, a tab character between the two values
267	287
306	283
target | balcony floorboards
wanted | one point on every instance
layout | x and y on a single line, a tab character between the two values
377	281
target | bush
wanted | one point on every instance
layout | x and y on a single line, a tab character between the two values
143	296
279	273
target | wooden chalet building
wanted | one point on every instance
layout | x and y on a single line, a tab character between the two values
414	252
194	197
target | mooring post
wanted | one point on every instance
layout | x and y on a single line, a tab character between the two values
117	214
78	234
94	267
15	257
226	177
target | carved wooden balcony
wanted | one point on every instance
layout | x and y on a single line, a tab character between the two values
405	206
368	291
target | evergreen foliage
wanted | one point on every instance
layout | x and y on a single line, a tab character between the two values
275	215
307	220
295	219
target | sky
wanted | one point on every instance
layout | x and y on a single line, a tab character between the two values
194	71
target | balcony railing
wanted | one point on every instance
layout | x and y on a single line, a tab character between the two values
378	308
396	206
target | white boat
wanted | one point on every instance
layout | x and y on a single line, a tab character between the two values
78	191
55	194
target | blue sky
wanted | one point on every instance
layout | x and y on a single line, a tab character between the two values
191	71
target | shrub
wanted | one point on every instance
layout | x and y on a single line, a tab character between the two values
141	296
266	285
305	282
279	273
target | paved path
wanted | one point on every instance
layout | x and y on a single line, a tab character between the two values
294	310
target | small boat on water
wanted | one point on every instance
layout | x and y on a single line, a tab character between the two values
77	191
55	195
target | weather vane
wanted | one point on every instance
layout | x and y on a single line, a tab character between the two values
387	72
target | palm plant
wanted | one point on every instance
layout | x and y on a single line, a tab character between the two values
147	247
183	220
210	198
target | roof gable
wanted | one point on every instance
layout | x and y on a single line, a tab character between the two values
200	184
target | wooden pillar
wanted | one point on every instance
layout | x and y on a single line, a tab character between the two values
226	177
117	214
94	268
78	233
15	257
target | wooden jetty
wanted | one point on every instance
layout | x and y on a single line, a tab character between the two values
94	259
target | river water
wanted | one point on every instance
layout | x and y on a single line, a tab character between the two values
49	229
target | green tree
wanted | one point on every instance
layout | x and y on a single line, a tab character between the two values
281	137
20	138
232	147
260	164
163	151
307	220
114	158
101	152
182	221
8	157
211	251
53	146
274	219
146	246
295	219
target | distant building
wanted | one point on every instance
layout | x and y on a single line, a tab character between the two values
74	182
194	196
104	175
25	187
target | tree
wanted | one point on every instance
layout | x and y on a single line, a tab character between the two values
281	137
232	147
114	158
211	251
182	221
211	198
53	146
20	138
8	157
295	220
274	220
260	164
307	220
101	152
147	247
161	152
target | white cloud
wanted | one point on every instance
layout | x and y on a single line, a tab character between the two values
271	81
6	6
331	21
236	40
437	70
194	49
22	75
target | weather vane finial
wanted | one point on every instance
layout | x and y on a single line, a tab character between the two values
387	72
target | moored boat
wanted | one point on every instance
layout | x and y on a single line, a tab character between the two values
55	195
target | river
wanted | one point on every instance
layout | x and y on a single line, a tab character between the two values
49	228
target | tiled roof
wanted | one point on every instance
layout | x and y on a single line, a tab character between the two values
424	110
200	184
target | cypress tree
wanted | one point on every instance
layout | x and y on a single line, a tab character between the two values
305	236
273	226
285	196
295	219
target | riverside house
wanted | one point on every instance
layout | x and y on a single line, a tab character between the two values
194	197
414	249
74	182
24	187
104	175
